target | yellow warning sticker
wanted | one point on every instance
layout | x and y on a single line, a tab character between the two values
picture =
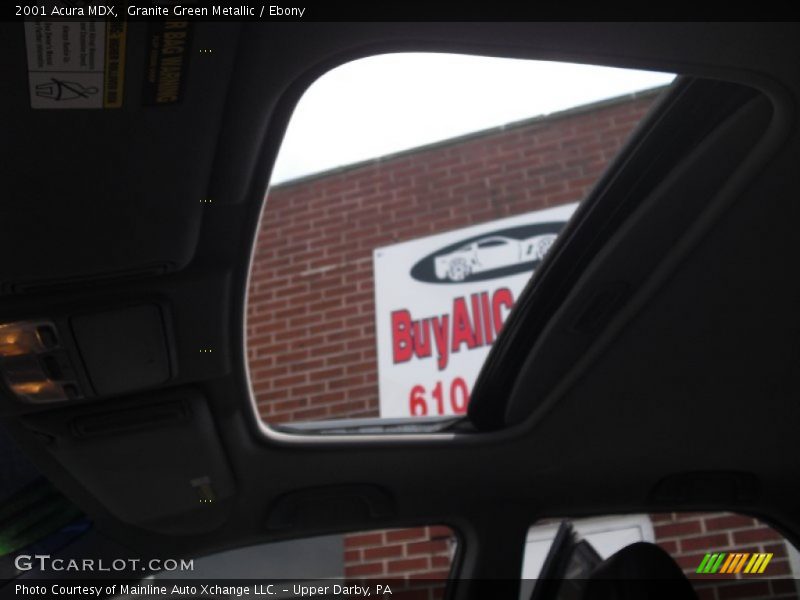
76	64
113	86
168	42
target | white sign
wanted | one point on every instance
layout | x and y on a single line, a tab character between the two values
440	302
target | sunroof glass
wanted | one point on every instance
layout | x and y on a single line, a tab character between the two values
413	198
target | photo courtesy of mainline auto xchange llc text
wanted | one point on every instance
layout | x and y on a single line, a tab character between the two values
280	590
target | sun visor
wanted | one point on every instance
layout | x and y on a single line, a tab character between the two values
156	464
107	190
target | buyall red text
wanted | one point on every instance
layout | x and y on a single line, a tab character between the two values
473	322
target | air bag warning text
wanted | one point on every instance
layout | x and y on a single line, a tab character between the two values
168	48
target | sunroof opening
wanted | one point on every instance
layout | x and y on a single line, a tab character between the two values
413	197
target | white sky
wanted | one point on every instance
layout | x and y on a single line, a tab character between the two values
384	104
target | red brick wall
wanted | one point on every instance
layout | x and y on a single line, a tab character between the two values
416	553
310	329
688	536
426	553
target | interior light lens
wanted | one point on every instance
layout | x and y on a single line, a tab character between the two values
25	349
26	338
40	391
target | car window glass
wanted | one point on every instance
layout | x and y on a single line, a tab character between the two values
411	560
725	555
385	268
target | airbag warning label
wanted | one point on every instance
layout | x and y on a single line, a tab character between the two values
75	64
167	62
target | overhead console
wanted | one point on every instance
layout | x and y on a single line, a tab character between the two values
124	349
89	355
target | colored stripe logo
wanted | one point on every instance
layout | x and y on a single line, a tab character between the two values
734	562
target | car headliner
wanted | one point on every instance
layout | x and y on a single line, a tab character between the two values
700	376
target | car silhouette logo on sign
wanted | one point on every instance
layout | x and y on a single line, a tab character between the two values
497	254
